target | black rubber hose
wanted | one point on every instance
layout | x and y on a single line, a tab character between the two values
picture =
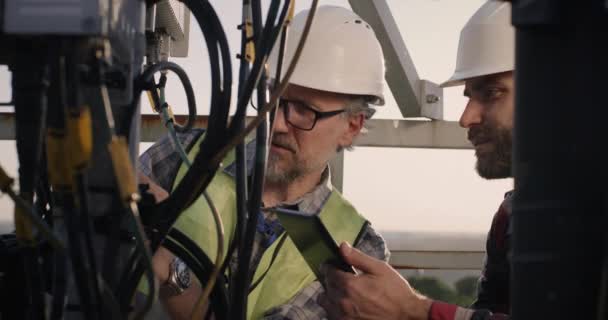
220	107
30	84
201	172
79	267
264	46
242	279
147	77
240	156
59	286
57	121
88	232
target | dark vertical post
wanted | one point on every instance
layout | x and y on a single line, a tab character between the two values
559	211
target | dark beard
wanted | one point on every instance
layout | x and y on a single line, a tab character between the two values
495	164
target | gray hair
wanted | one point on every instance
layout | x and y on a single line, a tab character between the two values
359	105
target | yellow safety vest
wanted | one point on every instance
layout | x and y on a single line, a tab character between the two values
289	273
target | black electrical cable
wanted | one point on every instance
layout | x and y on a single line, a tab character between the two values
59	286
133	268
145	80
129	204
262	139
132	274
30	84
76	251
279	71
215	37
276	93
45	205
85	279
264	44
242	279
207	159
240	156
205	163
87	233
71	101
56	124
202	305
109	300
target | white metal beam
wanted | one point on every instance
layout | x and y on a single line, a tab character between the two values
384	133
414	97
443	260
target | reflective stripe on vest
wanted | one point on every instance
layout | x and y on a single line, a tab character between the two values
289	273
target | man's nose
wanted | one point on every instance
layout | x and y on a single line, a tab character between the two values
472	114
280	124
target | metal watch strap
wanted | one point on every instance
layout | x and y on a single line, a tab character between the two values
178	281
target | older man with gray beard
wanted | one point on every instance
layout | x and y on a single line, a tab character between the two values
322	111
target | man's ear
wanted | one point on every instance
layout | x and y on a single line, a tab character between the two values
354	124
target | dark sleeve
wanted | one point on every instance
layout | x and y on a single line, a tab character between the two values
493	286
161	161
446	311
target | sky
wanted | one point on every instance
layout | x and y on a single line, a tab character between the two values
398	190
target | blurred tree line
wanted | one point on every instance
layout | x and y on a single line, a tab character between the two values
463	293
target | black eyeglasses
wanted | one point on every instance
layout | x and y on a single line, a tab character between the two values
302	116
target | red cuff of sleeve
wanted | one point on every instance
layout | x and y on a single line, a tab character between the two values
442	311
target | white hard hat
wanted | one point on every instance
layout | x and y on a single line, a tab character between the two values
487	44
341	54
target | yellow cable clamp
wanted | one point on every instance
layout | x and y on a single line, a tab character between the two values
123	169
59	166
170	115
250	47
80	138
292	11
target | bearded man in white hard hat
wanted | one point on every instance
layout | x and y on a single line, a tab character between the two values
322	112
485	66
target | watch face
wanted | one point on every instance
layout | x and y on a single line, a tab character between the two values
182	274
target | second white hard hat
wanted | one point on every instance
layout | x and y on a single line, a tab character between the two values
487	44
341	54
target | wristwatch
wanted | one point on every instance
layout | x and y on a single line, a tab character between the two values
179	279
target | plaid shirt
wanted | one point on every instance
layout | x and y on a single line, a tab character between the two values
161	163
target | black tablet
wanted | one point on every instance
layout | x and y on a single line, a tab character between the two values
312	240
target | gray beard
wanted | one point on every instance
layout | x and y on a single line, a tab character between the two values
278	176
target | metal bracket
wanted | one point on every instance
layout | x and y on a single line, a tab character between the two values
432	100
173	18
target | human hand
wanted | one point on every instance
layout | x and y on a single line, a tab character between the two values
159	193
378	292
